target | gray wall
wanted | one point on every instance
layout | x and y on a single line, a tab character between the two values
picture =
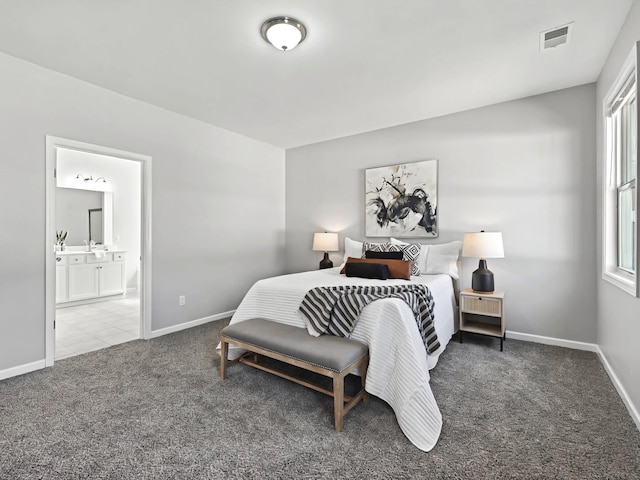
526	168
618	312
218	201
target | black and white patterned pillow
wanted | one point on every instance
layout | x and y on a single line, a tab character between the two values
410	251
373	247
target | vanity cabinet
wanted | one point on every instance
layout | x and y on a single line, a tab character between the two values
83	282
88	276
111	279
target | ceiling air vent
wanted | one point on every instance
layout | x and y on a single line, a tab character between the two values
556	36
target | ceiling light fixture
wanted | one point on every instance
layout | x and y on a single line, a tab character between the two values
284	33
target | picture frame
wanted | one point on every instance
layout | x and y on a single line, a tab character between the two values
402	200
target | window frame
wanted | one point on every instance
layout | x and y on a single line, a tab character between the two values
615	181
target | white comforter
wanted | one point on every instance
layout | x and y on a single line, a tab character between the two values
398	365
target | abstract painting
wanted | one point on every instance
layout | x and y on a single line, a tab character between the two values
402	200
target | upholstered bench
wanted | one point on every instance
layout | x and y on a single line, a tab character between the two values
331	356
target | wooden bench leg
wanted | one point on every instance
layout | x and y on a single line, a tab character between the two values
363	382
224	346
338	400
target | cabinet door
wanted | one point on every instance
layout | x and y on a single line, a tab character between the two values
111	278
83	281
61	283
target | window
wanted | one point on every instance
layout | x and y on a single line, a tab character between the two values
620	206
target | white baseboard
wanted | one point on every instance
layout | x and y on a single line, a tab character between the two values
22	369
193	323
633	411
558	342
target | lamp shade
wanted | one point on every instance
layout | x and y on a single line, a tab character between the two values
483	245
325	242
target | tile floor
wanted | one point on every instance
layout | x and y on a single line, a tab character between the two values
84	328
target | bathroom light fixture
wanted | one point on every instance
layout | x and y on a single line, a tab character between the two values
91	179
284	33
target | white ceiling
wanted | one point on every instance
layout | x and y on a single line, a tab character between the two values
365	64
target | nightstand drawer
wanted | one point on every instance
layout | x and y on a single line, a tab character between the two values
482	306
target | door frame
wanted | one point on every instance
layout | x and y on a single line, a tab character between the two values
52	144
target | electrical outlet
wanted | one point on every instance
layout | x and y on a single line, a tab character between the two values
182	300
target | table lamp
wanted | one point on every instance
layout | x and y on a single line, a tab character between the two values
484	245
325	242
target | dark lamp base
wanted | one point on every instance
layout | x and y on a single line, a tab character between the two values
482	279
325	262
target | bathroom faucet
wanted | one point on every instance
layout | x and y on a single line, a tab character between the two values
92	245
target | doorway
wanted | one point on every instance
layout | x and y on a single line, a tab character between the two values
99	280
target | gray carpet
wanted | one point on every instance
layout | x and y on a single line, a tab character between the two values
157	409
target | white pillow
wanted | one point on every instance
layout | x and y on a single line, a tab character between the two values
438	258
352	248
443	258
422	258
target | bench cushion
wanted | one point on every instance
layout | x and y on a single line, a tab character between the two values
327	351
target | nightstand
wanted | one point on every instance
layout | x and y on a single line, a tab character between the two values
482	313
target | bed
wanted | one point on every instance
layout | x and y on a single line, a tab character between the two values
399	366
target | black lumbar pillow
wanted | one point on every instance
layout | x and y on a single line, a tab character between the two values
383	255
379	271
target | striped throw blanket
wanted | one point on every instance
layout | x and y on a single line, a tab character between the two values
335	310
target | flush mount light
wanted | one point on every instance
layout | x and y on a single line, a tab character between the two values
284	33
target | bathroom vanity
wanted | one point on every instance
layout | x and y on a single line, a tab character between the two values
89	275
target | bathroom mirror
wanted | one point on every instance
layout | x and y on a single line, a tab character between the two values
77	213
